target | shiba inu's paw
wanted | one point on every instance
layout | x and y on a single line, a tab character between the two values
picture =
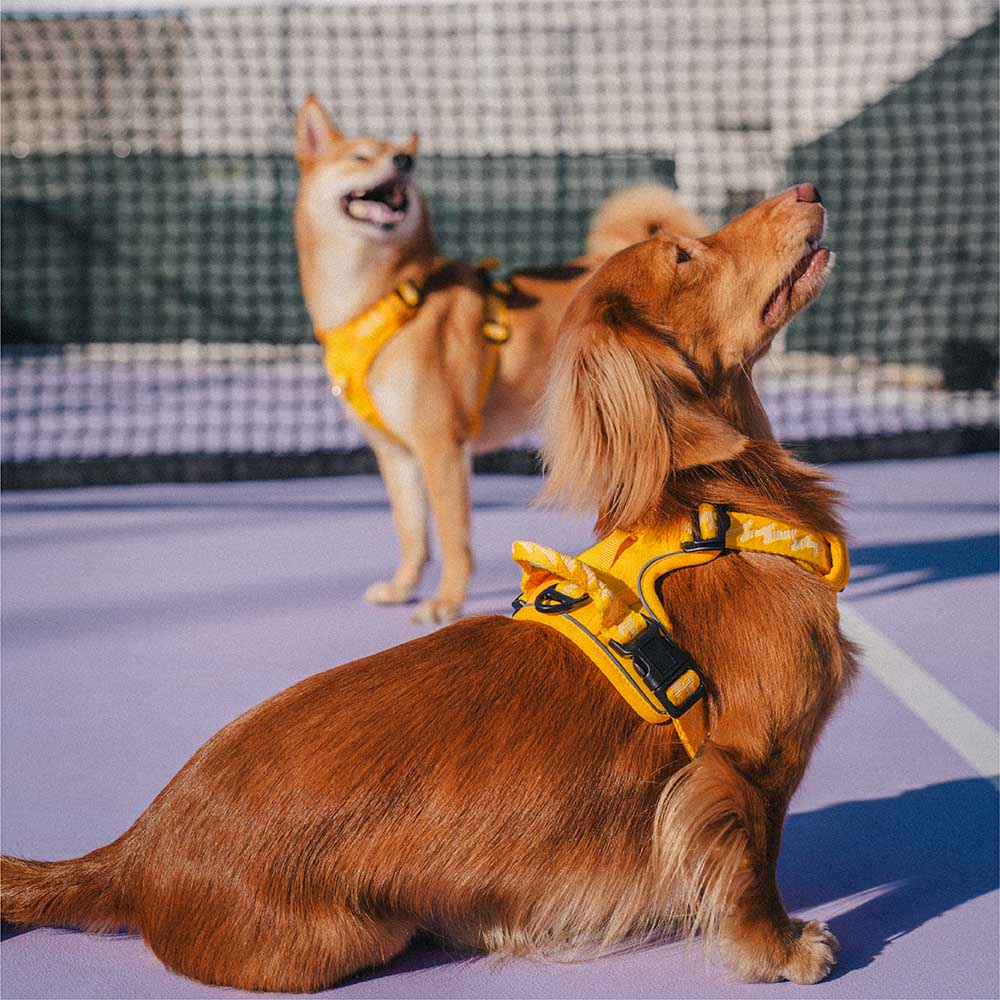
814	953
436	609
388	592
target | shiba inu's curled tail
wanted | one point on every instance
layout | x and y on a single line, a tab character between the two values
82	892
635	214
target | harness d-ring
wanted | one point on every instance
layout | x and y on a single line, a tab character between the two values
553	602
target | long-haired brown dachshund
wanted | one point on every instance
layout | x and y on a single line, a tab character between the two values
485	783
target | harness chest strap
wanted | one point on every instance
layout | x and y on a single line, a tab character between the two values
350	350
606	601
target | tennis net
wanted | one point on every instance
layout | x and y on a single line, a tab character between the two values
153	326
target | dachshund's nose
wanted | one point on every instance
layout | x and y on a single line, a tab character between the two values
403	162
808	192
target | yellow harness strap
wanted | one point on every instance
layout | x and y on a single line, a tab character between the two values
606	601
350	350
496	330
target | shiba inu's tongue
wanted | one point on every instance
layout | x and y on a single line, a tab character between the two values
373	211
383	205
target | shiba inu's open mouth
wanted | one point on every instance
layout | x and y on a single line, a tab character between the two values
799	287
384	205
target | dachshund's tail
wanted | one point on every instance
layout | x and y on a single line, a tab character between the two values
82	892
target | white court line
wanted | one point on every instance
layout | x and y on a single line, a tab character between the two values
968	735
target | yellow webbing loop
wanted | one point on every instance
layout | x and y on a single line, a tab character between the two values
823	553
612	615
616	617
607	598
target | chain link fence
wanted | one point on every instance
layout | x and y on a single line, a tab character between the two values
153	326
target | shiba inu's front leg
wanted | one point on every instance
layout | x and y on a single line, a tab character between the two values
403	480
446	466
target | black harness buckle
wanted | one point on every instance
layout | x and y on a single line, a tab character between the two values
718	541
659	661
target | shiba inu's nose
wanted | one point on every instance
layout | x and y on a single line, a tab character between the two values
403	162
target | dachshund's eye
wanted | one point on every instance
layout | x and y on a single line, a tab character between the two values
682	256
363	157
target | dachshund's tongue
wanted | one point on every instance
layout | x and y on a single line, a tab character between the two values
776	307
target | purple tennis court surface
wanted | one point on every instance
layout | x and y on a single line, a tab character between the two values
139	620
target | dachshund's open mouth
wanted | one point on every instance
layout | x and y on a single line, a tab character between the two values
799	287
384	205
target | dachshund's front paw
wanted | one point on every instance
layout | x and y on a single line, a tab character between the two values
388	592
813	953
436	609
801	952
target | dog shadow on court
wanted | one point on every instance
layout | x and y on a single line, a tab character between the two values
906	859
896	566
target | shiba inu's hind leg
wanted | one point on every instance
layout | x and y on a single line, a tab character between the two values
285	952
403	479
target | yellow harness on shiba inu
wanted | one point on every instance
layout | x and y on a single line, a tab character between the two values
606	601
350	350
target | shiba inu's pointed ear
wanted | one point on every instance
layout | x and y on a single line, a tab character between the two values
411	145
315	133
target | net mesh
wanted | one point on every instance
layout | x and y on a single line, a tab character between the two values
153	325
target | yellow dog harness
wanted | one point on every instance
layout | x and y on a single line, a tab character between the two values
350	350
606	601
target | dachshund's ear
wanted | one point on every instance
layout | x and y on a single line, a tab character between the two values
315	133
621	417
701	435
411	145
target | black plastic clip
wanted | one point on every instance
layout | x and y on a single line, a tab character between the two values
551	602
714	544
659	661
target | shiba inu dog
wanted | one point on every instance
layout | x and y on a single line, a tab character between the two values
429	379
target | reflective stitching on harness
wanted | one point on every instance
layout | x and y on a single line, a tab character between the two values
635	651
615	663
642	573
